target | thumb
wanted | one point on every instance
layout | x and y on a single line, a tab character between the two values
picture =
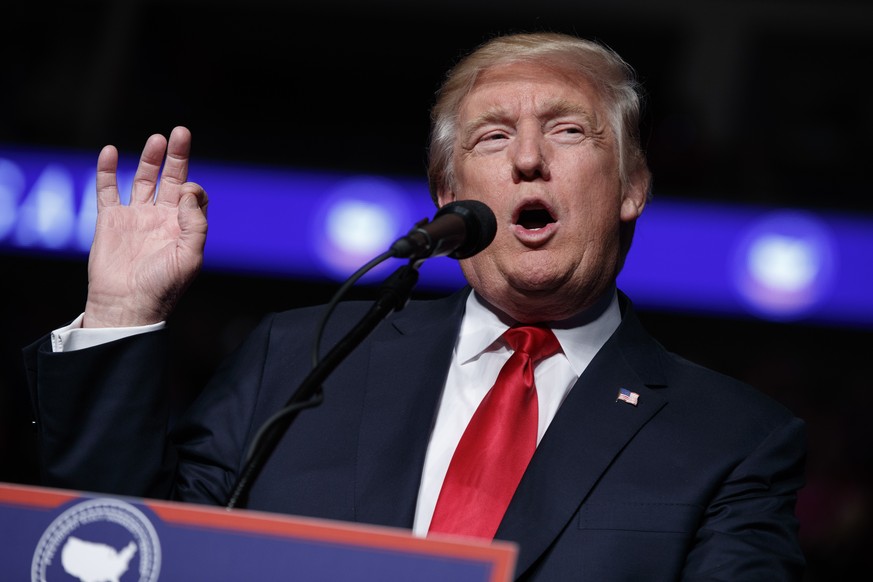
192	216
193	196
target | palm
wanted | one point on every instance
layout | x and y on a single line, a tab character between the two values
144	254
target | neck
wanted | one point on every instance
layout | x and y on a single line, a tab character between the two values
559	318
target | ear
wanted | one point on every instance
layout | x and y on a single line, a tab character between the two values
635	195
444	196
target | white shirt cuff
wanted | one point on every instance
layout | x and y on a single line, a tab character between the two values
74	337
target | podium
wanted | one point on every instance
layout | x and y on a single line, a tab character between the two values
54	534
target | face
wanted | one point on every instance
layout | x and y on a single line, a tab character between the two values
535	146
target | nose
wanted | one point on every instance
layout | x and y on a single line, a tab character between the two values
529	156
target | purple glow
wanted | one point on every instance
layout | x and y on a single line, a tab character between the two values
784	264
703	258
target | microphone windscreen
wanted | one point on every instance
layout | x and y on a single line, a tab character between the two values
479	221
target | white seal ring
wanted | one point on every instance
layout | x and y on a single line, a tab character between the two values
102	509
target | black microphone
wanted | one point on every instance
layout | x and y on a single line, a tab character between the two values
459	229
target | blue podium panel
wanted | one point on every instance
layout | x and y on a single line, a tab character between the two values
52	535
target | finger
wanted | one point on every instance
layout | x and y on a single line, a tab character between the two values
193	203
107	180
146	177
195	191
175	170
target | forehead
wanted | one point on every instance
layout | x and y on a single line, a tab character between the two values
517	85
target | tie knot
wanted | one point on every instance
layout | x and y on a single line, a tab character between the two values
537	342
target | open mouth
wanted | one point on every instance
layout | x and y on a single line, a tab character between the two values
534	218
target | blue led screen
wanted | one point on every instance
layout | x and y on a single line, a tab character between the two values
770	263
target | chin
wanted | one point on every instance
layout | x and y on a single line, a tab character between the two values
537	281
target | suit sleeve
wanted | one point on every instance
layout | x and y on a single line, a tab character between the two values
749	531
101	414
105	421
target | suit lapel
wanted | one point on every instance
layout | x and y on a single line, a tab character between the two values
587	433
408	362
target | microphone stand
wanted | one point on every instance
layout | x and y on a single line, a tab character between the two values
393	296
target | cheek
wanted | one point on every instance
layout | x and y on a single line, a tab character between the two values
475	171
594	217
492	195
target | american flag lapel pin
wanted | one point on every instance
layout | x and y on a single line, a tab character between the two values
626	395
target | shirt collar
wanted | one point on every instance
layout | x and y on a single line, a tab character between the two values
581	336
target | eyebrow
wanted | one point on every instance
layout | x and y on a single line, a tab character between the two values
553	108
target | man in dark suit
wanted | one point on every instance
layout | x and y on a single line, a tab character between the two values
646	466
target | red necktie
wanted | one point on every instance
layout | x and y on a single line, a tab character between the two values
497	445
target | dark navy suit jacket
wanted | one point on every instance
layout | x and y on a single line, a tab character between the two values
696	482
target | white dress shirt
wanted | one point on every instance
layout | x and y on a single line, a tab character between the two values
74	337
477	358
